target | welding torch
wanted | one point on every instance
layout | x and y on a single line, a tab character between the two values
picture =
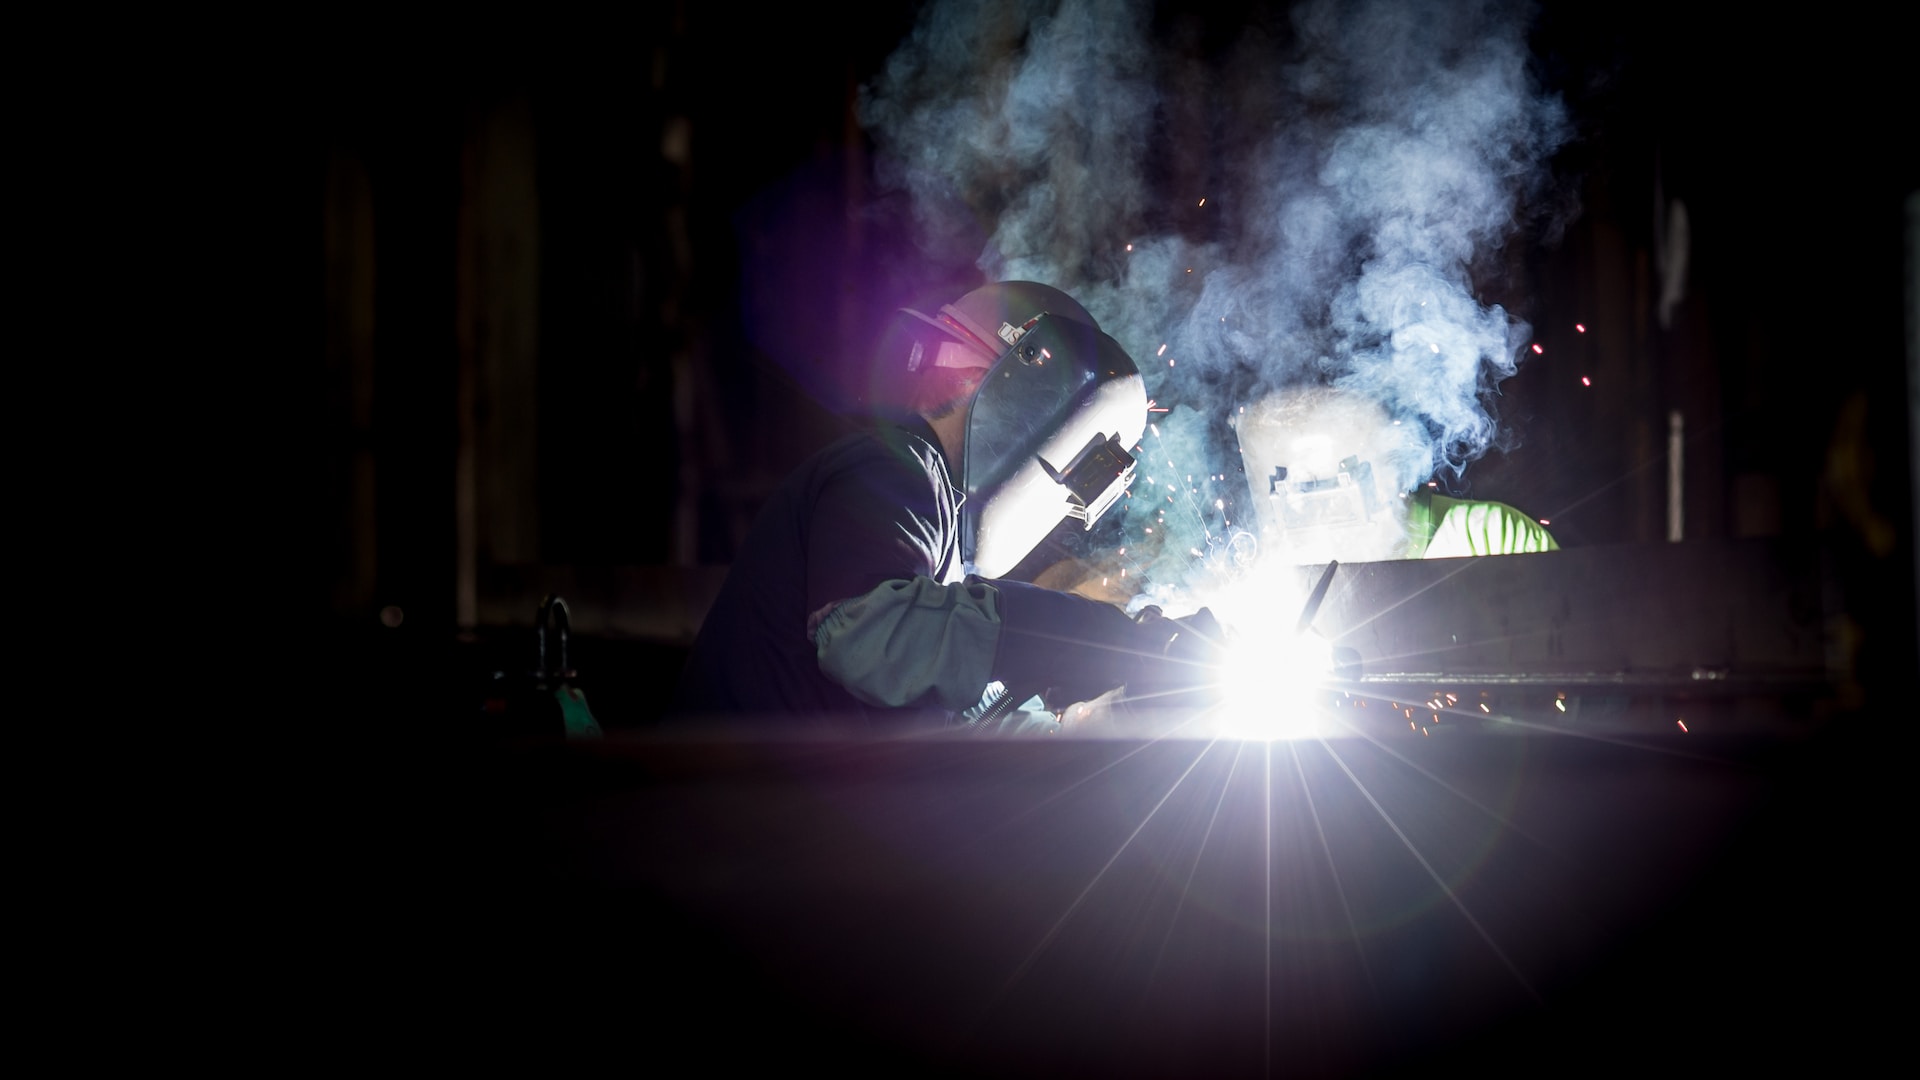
1346	661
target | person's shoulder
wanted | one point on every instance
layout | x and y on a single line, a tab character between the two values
895	446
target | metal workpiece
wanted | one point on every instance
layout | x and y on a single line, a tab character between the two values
1725	617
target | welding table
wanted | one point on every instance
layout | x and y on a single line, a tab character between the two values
1572	891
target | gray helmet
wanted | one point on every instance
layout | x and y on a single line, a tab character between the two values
1050	431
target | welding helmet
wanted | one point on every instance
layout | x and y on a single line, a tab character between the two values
1329	471
1049	431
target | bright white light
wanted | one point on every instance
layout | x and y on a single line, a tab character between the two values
1274	678
1273	684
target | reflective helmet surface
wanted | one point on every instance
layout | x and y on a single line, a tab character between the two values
1051	429
993	314
974	330
1329	472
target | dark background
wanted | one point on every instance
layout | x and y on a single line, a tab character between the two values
483	335
511	268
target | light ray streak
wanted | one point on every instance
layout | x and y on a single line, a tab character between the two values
1267	1016
1178	692
1610	741
1186	887
1353	928
1053	931
1374	693
1414	654
1461	795
1465	565
1343	585
1435	875
1631	471
1063	792
1579	870
1072	640
1549	729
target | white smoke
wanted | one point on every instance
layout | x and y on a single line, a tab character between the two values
1363	165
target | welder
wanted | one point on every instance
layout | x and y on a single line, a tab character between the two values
1336	476
871	590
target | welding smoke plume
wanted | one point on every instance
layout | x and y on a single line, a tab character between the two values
1363	165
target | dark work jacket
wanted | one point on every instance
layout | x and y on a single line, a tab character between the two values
869	508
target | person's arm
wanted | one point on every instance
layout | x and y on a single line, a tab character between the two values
908	642
889	625
1466	527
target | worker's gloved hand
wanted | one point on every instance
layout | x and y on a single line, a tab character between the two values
1184	671
1068	648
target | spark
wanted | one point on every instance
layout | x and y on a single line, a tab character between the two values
1163	350
1537	350
1544	521
1203	201
1434	346
1129	247
1561	705
1484	709
1582	327
1584	381
1683	725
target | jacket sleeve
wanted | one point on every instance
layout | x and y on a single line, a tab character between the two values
911	642
1465	527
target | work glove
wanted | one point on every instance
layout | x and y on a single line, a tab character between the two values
1185	672
1068	648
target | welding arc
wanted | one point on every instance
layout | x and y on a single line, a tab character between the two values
1313	602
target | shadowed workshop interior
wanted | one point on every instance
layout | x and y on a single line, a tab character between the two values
564	301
